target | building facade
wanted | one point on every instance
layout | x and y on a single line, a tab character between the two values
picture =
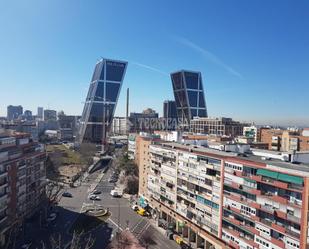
40	113
142	143
217	126
50	115
13	112
101	100
251	132
285	140
146	121
119	126
170	114
22	180
218	199
189	95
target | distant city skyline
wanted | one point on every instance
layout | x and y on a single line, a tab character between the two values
252	55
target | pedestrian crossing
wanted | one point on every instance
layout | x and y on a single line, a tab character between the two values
140	227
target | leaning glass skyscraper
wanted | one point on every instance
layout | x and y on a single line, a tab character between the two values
101	100
189	95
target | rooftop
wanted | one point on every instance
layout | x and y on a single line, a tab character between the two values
272	164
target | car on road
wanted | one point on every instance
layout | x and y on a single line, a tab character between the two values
51	217
96	192
67	194
135	208
94	198
116	193
142	212
111	180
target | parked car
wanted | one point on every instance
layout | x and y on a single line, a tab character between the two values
142	212
135	208
110	180
94	198
67	194
96	192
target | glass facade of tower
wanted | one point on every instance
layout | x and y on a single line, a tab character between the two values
101	99
189	94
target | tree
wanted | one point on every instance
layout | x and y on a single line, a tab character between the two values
53	193
78	241
146	240
132	185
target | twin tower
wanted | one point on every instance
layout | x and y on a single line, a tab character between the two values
104	91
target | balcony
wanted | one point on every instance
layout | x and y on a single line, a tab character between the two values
276	198
293	218
268	209
252	177
278	242
295	234
275	183
278	227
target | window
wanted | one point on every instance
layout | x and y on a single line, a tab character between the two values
202	113
191	80
177	81
114	70
99	94
112	90
192	98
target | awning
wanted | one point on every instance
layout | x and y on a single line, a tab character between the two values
250	180
268	173
292	179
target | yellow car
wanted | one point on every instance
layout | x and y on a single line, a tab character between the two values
142	212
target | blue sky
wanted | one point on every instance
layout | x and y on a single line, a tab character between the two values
253	55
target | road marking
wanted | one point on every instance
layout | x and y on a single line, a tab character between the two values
143	230
115	224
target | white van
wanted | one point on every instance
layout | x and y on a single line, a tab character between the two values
116	193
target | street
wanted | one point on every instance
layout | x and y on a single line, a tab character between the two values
122	217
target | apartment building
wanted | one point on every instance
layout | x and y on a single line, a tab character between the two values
217	199
142	142
285	140
22	179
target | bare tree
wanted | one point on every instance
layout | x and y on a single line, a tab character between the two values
78	241
53	193
146	240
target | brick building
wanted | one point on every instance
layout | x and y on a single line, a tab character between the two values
22	179
216	199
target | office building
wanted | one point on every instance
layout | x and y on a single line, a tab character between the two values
217	126
189	95
170	114
119	126
227	200
40	113
169	109
13	112
101	100
68	126
22	180
27	115
146	121
50	115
